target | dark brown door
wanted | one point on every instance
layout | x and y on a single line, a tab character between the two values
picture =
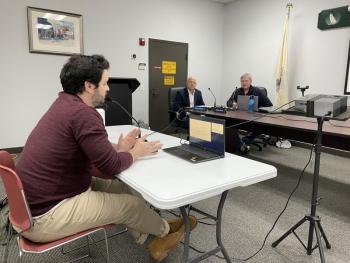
167	69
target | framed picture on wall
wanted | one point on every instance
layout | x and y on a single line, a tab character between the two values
347	77
54	32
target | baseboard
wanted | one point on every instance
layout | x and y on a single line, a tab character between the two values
13	149
324	149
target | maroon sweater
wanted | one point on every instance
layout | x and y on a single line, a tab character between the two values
57	159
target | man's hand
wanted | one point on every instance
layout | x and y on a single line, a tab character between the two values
143	148
127	143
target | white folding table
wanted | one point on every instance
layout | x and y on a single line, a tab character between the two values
168	182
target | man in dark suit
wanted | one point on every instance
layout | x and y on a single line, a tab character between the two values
188	96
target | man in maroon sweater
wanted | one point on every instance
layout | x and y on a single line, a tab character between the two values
65	152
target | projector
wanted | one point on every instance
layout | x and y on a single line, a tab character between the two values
318	105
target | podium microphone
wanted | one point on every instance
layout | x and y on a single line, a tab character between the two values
109	99
213	96
234	93
217	109
233	97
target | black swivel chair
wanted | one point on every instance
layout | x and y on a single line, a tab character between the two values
178	125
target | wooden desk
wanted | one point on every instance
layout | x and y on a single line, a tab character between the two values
336	134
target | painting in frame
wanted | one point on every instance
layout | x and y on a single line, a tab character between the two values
54	32
347	77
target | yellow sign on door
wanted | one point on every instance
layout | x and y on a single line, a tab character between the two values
169	80
169	67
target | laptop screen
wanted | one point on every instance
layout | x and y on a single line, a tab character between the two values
242	101
207	133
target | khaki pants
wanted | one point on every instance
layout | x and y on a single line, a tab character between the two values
107	202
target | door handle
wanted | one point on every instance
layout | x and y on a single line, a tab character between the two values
155	92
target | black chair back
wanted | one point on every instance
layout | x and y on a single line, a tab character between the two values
171	96
264	90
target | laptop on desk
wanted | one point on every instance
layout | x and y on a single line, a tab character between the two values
242	102
207	140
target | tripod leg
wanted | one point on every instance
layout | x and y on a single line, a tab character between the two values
323	234
291	230
311	237
319	242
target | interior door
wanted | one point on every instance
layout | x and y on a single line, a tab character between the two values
167	68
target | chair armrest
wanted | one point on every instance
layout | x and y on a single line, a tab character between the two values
175	113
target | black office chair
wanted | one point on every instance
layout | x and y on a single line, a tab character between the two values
178	125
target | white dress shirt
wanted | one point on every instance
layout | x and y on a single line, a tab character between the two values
191	97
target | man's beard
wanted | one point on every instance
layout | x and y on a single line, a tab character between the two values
99	100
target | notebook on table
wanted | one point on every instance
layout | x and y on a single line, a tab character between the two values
207	140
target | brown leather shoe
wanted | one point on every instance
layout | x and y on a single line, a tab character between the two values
175	224
159	247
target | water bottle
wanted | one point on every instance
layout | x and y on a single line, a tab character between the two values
251	104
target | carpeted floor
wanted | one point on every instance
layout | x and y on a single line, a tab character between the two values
250	212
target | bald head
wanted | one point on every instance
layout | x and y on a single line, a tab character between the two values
191	83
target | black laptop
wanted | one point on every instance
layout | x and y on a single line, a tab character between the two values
207	140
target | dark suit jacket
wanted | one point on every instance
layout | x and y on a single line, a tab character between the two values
182	99
263	100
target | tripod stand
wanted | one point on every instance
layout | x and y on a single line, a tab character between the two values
315	220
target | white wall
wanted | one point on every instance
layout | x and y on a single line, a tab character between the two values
224	42
252	36
30	82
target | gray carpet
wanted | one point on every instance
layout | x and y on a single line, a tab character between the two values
250	212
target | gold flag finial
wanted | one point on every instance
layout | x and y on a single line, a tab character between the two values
289	6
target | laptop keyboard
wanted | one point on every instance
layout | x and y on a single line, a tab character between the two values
197	151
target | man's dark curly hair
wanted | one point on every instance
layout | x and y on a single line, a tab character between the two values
79	69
